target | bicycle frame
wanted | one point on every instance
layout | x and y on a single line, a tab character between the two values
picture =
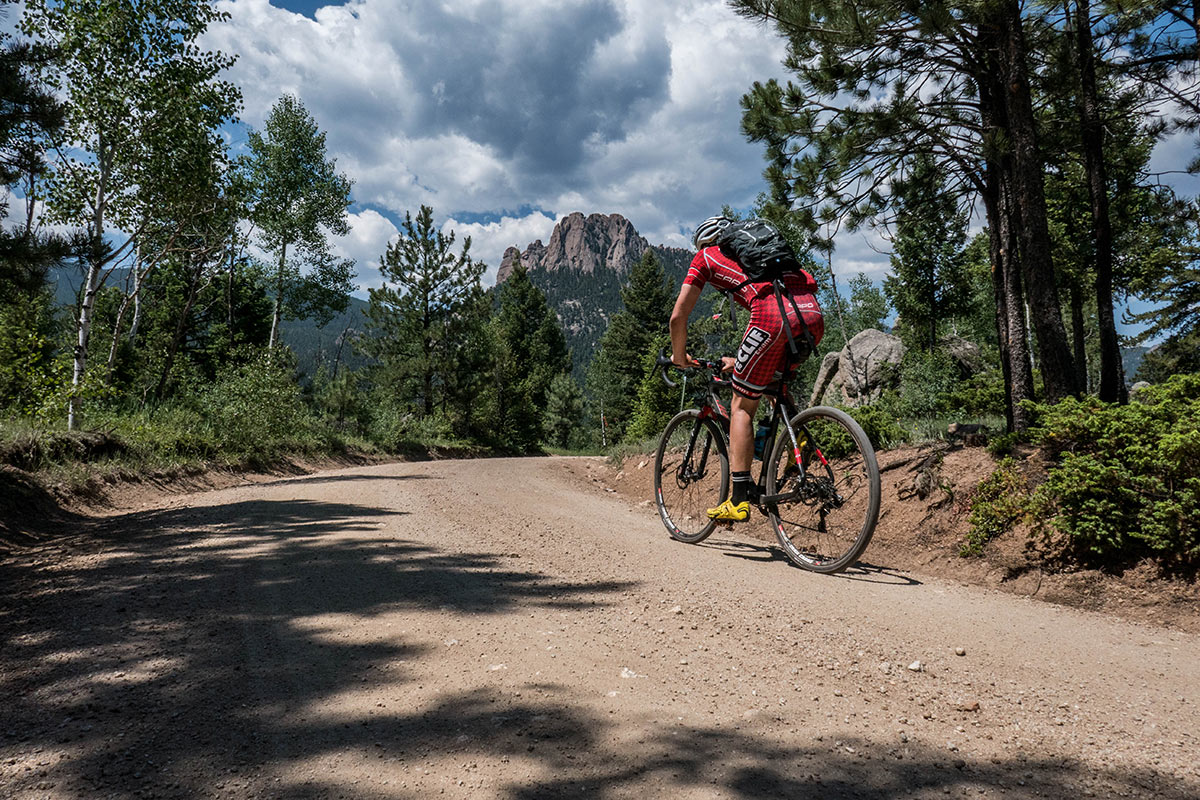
784	408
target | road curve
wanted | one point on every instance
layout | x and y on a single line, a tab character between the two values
506	628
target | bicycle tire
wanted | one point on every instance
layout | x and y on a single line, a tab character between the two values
684	490
841	483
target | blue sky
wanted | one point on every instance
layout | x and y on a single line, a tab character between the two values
306	7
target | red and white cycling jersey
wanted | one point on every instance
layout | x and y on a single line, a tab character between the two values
762	356
711	266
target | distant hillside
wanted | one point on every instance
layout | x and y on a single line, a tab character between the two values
328	344
582	270
312	345
1131	359
68	280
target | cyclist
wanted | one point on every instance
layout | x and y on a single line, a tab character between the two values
763	357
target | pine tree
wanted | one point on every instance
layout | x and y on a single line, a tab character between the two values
656	402
1172	284
617	368
879	81
531	353
868	305
29	118
929	282
564	410
421	320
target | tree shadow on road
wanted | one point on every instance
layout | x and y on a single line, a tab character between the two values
351	477
579	753
134	643
189	653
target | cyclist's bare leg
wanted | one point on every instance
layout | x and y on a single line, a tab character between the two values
741	432
741	453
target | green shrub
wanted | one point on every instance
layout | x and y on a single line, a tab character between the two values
1002	444
926	382
255	407
27	369
999	503
879	425
169	433
1125	480
980	395
656	402
396	428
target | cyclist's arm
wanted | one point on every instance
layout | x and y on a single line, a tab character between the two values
689	293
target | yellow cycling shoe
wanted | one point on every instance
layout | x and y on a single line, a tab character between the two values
728	512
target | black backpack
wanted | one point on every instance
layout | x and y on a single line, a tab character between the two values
764	255
760	249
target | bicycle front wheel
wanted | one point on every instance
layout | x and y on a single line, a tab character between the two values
691	475
831	492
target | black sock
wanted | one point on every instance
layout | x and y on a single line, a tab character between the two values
741	487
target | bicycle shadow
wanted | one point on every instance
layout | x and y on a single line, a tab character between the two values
861	571
874	573
749	551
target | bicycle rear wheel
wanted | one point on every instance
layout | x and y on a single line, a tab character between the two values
691	475
830	515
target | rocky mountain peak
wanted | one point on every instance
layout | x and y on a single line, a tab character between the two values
582	270
581	244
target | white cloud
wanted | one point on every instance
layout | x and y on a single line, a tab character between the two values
1171	157
496	237
481	108
370	233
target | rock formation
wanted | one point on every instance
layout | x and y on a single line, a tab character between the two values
966	355
582	270
585	244
858	375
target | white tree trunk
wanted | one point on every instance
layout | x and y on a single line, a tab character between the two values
84	326
81	340
136	322
277	316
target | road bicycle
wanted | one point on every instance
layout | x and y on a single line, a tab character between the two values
818	483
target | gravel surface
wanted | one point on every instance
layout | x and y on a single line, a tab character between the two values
509	628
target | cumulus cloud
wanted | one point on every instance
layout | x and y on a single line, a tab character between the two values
477	108
863	251
498	236
370	234
1171	158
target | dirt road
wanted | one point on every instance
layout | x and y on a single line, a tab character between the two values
509	629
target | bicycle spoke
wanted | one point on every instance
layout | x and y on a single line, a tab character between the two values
691	475
830	518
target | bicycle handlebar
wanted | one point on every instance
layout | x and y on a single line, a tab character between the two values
664	361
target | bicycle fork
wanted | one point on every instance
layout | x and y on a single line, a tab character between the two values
685	474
